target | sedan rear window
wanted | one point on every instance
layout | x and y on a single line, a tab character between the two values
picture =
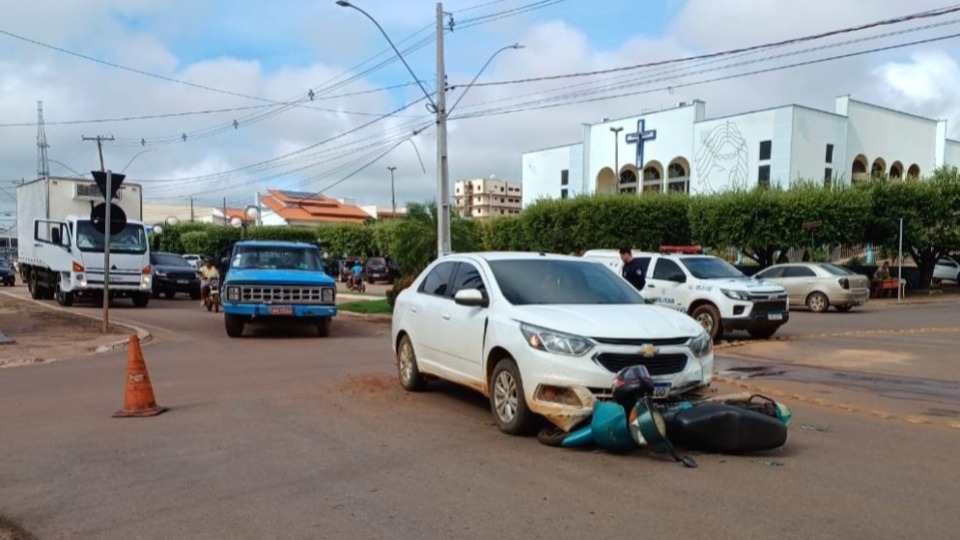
545	281
836	270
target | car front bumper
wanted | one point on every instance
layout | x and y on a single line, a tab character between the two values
167	284
267	311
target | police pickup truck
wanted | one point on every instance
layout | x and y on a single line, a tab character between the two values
709	289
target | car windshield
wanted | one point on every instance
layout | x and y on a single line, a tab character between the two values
131	239
836	270
710	268
4	265
546	281
276	258
168	259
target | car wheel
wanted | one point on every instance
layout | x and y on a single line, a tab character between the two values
65	299
234	325
323	326
843	309
141	300
818	302
507	400
709	318
155	294
407	369
766	333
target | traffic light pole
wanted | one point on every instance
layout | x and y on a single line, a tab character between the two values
106	256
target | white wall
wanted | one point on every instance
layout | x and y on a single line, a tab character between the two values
727	150
813	130
542	172
892	135
952	153
673	139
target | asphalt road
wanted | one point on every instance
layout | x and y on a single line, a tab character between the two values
285	435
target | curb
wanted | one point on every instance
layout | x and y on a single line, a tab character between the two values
882	415
144	335
369	317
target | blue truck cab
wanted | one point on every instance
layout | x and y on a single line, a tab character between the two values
277	282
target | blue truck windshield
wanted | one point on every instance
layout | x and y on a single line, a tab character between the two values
276	258
132	239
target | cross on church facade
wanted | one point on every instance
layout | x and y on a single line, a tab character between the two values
639	138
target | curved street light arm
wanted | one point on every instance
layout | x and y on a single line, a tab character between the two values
477	76
65	166
344	3
135	156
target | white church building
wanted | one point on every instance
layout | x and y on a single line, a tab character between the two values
681	149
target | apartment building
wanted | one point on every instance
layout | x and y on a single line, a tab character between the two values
488	197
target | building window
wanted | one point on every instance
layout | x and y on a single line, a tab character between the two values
564	177
763	176
829	153
827	177
563	194
766	148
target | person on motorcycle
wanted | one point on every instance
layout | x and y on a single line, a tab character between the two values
207	272
356	274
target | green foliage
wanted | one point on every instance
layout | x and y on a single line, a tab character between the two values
348	239
502	234
384	237
285	234
170	239
415	237
193	242
370	307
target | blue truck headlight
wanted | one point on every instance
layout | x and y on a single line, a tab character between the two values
328	295
233	294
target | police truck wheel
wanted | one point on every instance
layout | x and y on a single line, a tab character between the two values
709	318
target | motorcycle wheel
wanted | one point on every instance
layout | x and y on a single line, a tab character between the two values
552	436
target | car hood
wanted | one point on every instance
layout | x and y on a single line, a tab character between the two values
746	284
279	277
610	321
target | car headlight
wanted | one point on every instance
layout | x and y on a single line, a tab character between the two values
233	294
736	295
161	273
701	345
328	295
555	342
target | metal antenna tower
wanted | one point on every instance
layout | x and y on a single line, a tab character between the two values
43	166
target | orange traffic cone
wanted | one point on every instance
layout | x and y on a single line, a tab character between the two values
138	397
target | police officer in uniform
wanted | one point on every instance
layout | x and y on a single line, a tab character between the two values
633	271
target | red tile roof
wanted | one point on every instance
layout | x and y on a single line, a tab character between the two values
311	207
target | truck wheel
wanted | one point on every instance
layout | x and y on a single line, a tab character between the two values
709	318
323	326
65	299
141	299
234	325
34	288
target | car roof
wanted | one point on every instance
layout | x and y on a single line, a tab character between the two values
273	243
513	256
641	253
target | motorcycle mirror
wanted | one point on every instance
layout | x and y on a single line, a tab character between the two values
687	461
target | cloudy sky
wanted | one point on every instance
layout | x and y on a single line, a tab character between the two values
234	77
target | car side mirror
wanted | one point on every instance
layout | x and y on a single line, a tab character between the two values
471	297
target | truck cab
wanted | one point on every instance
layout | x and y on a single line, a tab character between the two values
709	289
277	282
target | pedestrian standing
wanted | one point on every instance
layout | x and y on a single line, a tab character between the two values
633	270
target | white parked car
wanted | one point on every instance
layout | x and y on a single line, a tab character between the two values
193	259
540	335
947	269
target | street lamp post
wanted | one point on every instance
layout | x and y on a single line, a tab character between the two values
250	214
393	197
616	151
440	108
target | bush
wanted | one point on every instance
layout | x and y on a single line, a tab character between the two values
170	239
398	286
283	234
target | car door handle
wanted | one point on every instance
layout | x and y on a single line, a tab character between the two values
413	310
651	286
446	316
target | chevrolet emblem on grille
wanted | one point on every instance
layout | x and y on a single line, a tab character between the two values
649	351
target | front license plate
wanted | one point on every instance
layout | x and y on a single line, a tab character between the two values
281	310
775	316
183	281
661	390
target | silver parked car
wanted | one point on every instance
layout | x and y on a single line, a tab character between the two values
819	285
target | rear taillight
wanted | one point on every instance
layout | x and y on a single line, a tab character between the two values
845	283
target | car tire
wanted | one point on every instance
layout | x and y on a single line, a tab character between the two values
234	325
765	333
141	300
507	400
65	299
843	309
408	372
818	302
155	294
323	326
709	318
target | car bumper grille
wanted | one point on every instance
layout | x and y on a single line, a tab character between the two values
663	364
762	308
285	294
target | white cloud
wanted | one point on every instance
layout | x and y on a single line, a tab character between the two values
72	88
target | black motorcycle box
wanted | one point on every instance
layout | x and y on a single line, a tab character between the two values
726	429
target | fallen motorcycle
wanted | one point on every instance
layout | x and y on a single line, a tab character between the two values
732	424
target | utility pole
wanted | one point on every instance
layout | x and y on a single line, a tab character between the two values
43	164
191	209
393	196
225	220
443	192
99	139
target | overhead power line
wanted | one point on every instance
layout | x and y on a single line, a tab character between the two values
886	22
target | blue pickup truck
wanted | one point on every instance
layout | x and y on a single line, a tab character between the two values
282	282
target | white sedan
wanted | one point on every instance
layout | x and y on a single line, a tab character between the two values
540	335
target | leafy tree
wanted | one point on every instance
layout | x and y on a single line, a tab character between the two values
415	237
287	234
502	234
170	238
930	210
348	239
